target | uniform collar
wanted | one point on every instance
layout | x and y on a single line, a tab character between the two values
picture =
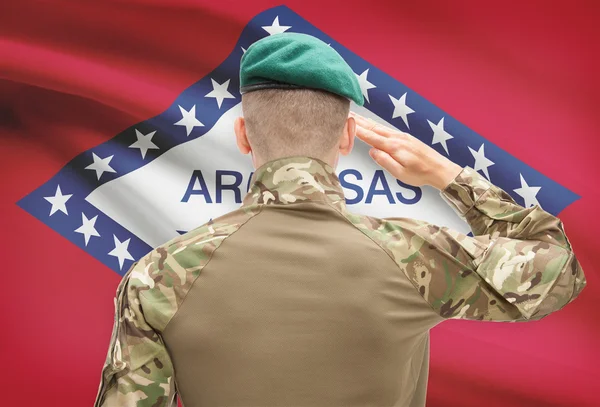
294	179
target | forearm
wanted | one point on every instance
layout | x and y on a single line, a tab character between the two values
530	258
489	210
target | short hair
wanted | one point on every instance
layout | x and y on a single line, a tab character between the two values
290	122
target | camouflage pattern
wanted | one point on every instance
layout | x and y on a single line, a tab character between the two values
295	179
518	266
138	370
530	259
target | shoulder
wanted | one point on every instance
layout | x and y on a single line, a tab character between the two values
389	235
386	231
162	278
406	239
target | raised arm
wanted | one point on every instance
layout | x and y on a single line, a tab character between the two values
519	265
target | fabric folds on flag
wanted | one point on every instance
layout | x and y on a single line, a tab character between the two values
116	122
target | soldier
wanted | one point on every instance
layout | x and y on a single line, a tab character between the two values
292	299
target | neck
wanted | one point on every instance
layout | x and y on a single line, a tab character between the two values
331	158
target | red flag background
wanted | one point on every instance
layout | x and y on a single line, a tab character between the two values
74	74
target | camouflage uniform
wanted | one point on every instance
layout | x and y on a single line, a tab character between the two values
306	303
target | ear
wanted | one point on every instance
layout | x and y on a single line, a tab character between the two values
239	126
347	139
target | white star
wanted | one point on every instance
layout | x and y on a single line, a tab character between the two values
243	50
400	108
100	165
220	92
87	229
481	161
439	134
120	251
144	142
188	119
58	201
275	28
528	193
365	85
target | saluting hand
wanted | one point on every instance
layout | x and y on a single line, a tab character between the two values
404	156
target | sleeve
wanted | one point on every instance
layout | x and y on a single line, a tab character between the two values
138	370
518	266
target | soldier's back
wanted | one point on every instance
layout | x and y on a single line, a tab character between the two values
298	307
293	300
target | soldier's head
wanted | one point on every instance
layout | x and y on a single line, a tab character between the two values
296	95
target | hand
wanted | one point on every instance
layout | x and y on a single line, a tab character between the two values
404	156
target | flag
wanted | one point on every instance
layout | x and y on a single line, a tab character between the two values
121	138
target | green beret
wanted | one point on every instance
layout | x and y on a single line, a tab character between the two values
293	60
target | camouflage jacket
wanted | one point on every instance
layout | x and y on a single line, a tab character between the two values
518	266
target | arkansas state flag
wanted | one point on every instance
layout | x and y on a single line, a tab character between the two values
116	123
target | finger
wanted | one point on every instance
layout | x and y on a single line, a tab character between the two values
381	129
364	122
387	162
374	139
371	125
